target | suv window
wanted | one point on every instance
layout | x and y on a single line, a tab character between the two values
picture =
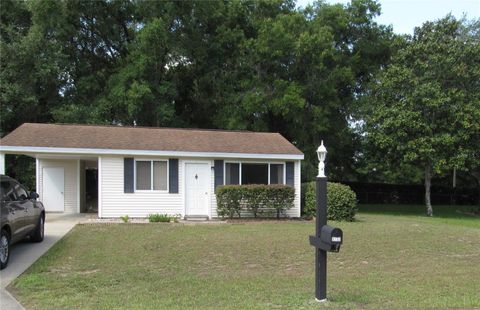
21	192
7	191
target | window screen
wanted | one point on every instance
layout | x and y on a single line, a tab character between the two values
232	173
276	174
254	173
160	175
144	177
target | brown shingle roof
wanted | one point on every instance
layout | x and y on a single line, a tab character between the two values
148	138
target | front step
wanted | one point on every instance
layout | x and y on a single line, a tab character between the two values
196	217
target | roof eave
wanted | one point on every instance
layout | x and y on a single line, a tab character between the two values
29	150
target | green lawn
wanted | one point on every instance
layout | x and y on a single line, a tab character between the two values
392	260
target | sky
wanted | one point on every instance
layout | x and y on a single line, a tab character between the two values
405	15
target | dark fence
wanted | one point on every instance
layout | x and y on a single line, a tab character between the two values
412	194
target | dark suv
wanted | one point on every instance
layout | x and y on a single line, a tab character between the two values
21	216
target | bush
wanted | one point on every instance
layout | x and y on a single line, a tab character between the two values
125	218
154	218
229	199
308	199
255	198
280	198
341	201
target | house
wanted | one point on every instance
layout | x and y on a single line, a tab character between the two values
137	171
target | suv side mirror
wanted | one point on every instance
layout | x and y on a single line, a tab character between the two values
33	195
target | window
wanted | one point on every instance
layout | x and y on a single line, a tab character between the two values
232	173
160	175
254	173
151	175
144	175
276	174
7	192
21	192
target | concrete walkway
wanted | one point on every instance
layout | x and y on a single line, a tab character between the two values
24	254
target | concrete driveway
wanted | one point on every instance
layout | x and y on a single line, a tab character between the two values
24	254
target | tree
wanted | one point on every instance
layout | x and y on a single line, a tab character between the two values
424	108
252	65
301	76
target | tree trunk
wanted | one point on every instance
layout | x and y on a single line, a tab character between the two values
428	183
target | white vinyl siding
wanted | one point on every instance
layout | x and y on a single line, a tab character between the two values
116	203
71	181
213	204
295	211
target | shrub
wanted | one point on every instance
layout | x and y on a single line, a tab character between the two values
154	218
256	198
309	199
253	196
280	198
341	201
125	218
229	198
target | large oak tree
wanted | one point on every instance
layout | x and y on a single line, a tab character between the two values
424	108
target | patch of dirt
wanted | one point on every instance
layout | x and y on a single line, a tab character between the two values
88	271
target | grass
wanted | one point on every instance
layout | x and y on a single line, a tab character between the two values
444	214
394	260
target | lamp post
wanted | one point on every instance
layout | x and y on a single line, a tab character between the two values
326	238
321	220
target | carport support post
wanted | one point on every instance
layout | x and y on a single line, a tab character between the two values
321	255
2	163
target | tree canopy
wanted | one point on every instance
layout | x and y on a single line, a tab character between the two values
252	65
424	108
264	65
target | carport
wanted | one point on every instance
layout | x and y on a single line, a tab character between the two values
65	183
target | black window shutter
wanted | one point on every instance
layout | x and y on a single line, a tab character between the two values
128	175
218	173
290	173
173	175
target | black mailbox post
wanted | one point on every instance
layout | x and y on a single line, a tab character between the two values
327	238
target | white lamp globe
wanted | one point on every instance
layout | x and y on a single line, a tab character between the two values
322	152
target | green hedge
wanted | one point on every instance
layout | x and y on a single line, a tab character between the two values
259	199
341	201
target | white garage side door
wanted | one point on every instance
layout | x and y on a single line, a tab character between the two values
197	187
53	189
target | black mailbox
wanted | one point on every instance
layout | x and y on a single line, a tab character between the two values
332	236
330	239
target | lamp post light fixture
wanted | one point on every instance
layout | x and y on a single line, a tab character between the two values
322	155
327	238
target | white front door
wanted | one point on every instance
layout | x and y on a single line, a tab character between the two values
53	189
197	188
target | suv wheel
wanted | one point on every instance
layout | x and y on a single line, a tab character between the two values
4	248
37	235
